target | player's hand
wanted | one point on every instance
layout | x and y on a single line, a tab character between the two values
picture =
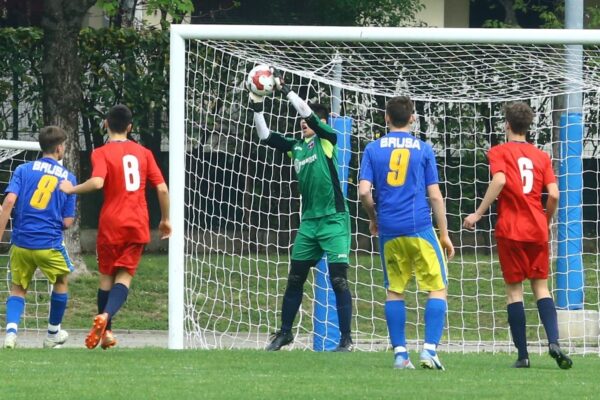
447	246
66	186
165	228
373	228
279	81
471	220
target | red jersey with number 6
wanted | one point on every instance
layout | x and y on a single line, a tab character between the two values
528	171
125	167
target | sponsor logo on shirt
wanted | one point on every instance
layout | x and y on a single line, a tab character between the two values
298	164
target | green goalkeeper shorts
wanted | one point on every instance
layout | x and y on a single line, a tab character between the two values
328	235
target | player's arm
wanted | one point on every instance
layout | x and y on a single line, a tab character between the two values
439	214
552	201
7	207
491	194
368	203
271	139
322	130
164	225
91	185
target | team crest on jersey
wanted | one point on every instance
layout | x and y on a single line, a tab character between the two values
311	145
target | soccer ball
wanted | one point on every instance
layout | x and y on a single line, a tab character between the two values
260	80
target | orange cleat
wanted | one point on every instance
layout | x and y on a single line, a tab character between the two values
93	338
108	340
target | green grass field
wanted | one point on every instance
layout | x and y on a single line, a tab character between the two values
246	374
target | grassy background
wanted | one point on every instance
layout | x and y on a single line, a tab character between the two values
246	374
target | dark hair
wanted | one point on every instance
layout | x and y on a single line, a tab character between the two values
118	118
519	116
50	137
399	109
320	110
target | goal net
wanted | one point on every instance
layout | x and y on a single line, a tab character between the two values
236	204
12	154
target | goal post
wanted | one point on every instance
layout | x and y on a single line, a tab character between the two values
234	205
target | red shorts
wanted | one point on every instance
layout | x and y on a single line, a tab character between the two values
114	256
522	260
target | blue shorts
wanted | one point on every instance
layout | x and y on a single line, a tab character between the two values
420	252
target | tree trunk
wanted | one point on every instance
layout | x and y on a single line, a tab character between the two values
62	94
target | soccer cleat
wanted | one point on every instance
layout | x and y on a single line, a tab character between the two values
95	335
402	363
56	341
563	360
521	363
10	341
279	339
108	340
429	361
346	345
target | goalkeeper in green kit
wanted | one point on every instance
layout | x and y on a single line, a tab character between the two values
325	222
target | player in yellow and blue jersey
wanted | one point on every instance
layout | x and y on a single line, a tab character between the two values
40	214
402	170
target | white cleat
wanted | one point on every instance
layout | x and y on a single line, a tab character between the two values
10	341
402	363
56	341
429	361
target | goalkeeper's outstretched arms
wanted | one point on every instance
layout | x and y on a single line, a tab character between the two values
315	119
264	134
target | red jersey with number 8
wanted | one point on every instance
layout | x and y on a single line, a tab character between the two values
520	211
126	167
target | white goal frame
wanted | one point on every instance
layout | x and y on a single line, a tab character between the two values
179	33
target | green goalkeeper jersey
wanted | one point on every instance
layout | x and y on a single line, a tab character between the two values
316	165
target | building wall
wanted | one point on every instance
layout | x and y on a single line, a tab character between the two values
445	13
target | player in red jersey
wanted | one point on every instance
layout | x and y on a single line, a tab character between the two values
520	172
121	168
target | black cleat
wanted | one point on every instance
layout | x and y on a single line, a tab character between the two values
563	360
346	345
279	339
521	363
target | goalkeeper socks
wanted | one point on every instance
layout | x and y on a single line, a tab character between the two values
15	306
395	316
116	299
516	320
343	301
101	300
435	316
547	312
58	305
291	303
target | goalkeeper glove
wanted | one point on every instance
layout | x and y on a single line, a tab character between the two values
256	101
279	82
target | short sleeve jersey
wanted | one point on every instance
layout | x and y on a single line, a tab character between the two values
316	164
126	168
40	207
400	167
528	170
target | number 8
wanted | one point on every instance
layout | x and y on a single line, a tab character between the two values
131	167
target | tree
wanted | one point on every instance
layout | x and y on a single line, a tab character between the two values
61	23
309	12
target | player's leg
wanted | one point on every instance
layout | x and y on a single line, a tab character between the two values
514	264
397	270
334	238
56	266
22	268
292	298
547	312
431	273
